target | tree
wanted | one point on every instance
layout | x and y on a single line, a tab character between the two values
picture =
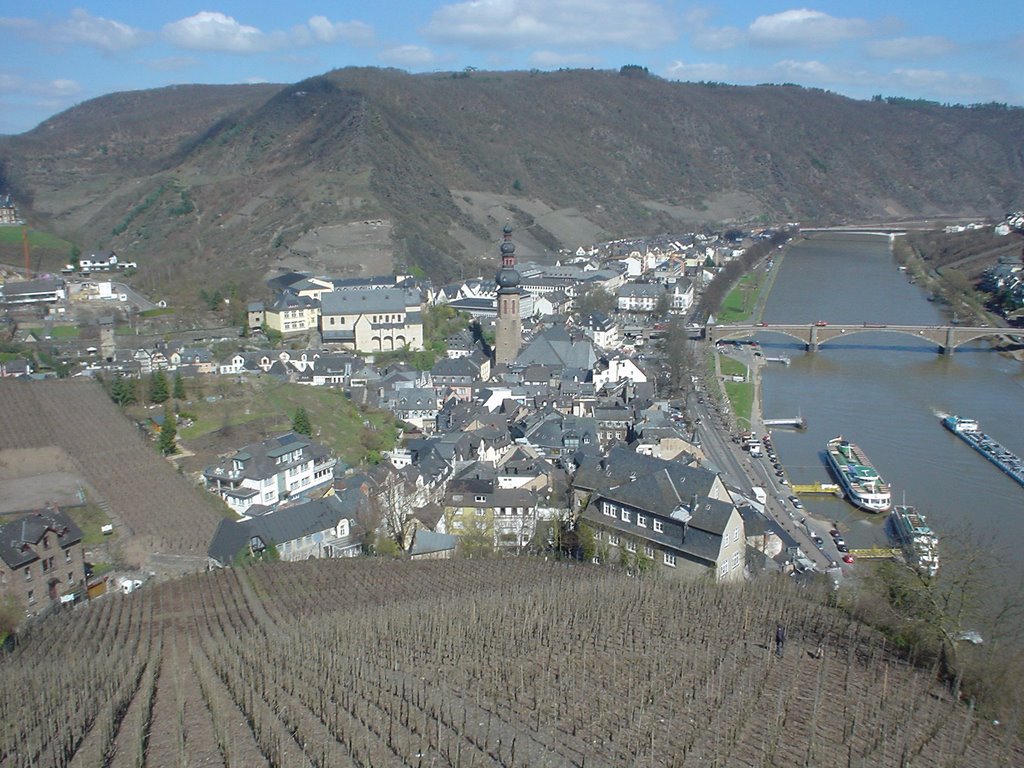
595	299
663	305
179	386
168	432
158	389
394	509
301	423
122	391
941	615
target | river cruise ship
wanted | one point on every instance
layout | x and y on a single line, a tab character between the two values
859	479
919	543
969	431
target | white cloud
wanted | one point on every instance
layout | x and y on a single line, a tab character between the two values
948	86
803	27
326	31
911	47
10	83
58	89
408	56
98	32
214	31
553	23
679	70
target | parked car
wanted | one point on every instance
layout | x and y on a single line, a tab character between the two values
848	559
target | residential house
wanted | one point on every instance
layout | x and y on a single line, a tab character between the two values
260	476
639	297
321	528
679	518
372	321
290	314
459	374
29	293
602	330
41	559
477	507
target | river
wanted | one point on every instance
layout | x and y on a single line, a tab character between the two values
886	392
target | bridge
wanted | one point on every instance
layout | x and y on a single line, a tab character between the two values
946	337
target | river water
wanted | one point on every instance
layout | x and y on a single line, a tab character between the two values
886	393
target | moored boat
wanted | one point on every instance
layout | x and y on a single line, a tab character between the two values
919	543
860	481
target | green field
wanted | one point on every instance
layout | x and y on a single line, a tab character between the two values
740	393
337	422
11	235
57	332
740	302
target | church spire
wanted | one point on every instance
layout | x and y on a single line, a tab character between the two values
508	332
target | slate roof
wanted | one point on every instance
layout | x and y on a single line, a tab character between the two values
554	347
19	536
351	301
283	525
259	459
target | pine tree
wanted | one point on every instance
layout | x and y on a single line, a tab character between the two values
301	423
122	391
179	386
168	432
158	390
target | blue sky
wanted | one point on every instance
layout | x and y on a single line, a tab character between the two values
57	54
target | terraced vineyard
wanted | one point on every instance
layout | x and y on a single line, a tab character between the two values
161	511
471	663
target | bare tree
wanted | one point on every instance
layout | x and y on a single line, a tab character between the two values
392	504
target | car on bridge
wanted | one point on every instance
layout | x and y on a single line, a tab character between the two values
821	323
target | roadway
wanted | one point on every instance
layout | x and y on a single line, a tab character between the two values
742	471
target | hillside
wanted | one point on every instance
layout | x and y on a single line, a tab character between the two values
363	170
488	663
71	425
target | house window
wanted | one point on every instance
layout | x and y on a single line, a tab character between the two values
31	598
669	559
658	526
613	539
67	555
641	520
28	573
609	508
735	534
46	542
648	550
626	516
71	578
736	561
479	499
481	512
631	546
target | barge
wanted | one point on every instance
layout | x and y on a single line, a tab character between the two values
969	431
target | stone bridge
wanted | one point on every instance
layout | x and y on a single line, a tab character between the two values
946	337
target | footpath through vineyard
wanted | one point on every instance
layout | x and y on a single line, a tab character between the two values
472	663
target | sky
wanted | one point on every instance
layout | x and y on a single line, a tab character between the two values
57	54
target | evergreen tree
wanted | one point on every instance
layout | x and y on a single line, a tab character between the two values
122	391
168	432
158	390
301	423
179	386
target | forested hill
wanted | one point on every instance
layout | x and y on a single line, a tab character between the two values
235	180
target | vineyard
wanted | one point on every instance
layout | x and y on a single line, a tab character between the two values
159	510
471	663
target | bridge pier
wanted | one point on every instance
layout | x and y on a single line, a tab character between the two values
949	346
812	343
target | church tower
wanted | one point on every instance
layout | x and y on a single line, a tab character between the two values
508	334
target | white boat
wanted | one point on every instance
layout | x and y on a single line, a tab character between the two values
918	540
858	477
